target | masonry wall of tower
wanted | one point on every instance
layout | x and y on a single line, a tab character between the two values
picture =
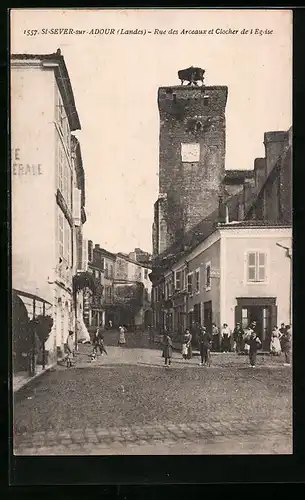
192	153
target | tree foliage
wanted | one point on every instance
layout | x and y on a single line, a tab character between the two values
129	296
42	326
84	280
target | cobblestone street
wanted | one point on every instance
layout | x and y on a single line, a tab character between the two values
129	403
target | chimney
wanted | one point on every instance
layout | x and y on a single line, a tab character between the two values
275	143
259	172
221	211
249	189
97	246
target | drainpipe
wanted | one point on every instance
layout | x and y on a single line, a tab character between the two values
187	295
289	256
227	213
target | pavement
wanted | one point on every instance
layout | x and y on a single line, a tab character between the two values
128	403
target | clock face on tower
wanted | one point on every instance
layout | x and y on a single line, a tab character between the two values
190	152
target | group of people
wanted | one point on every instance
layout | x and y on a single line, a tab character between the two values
240	340
205	344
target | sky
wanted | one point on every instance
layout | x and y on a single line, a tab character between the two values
115	80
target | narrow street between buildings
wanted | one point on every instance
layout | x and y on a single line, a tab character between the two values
127	403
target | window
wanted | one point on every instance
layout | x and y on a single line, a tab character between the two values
206	100
111	270
64	238
190	152
190	283
244	318
145	274
96	273
68	242
178	280
197	281
208	276
256	267
61	234
169	288
64	177
62	121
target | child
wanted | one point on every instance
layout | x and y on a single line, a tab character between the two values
254	343
167	349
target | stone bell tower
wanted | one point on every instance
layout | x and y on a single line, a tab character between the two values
191	155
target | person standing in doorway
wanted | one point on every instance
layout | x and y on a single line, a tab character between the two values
167	349
254	343
215	338
226	338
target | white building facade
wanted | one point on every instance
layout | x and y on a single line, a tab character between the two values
46	199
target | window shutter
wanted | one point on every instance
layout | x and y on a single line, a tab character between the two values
178	280
261	267
77	206
252	266
190	283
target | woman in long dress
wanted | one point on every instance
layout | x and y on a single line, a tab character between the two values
186	345
226	338
122	340
275	344
167	345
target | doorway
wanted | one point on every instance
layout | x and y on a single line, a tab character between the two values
263	311
207	315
